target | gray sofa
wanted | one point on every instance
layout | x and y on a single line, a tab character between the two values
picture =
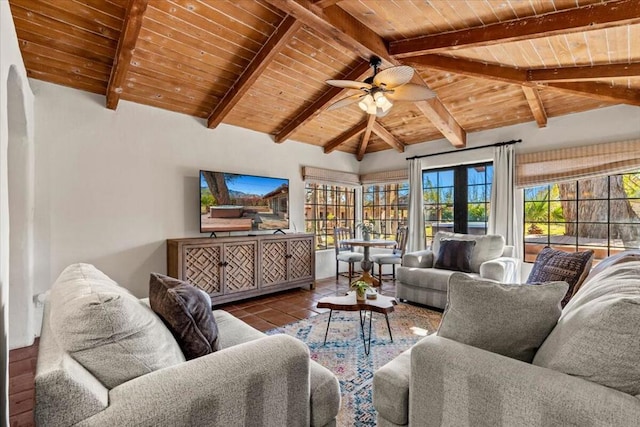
586	373
253	379
419	281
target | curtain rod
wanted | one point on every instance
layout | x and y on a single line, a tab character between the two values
497	144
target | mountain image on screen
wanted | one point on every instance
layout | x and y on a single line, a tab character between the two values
234	202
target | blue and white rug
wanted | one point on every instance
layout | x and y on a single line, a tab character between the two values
344	352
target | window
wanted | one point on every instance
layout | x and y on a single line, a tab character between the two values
327	207
386	205
601	214
457	199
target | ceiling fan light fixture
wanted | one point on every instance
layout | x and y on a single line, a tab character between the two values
367	104
382	102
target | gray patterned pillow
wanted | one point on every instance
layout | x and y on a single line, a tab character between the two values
553	265
512	320
455	255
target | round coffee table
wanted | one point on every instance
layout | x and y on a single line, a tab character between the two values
382	304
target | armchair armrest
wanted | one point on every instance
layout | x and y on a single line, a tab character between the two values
261	382
456	384
419	259
503	270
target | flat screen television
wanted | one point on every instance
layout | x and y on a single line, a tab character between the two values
236	202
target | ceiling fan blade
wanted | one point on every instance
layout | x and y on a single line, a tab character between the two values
393	77
349	84
410	92
346	101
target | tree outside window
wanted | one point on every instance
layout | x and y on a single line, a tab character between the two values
601	214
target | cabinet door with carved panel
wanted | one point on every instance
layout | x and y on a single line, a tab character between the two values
300	256
240	266
274	262
202	267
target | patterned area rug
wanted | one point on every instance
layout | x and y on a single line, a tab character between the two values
344	353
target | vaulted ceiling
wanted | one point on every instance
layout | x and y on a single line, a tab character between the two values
262	64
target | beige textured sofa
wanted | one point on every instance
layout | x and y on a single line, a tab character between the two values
419	281
253	379
586	373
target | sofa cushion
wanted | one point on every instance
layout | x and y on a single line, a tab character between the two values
106	329
487	247
391	389
597	337
186	311
233	331
324	386
455	255
553	265
512	320
428	278
619	258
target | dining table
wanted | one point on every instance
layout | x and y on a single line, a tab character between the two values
366	263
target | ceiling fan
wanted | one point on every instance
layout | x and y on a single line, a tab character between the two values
382	89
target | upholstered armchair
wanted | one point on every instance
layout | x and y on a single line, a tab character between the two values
424	275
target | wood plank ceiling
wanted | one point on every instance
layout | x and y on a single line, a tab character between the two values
262	64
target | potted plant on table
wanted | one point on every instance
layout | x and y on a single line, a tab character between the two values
367	229
361	289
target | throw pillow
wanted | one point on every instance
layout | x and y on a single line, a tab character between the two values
455	255
512	320
187	312
110	332
554	265
597	337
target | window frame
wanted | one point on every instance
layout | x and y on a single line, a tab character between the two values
397	207
601	250
324	233
460	221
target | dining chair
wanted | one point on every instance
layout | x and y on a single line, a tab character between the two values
344	251
394	256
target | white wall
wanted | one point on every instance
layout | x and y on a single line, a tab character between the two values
16	122
112	186
617	123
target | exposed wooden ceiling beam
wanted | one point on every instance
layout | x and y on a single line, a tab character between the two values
601	91
576	74
277	41
386	136
616	94
337	24
321	103
536	106
124	52
325	3
366	136
591	17
354	131
432	109
469	68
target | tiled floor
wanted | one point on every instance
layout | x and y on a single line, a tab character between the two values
262	313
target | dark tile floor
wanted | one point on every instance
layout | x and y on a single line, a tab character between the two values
262	313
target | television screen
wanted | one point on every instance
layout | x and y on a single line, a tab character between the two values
235	202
